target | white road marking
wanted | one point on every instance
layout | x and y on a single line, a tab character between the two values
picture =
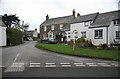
102	63
64	63
18	63
35	63
93	65
34	66
78	63
106	65
15	67
50	65
16	57
90	63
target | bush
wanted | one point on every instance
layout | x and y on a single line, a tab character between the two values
81	42
14	36
70	42
102	46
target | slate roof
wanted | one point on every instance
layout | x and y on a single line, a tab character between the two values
58	20
104	19
1	22
84	18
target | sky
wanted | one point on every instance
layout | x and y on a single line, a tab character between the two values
34	12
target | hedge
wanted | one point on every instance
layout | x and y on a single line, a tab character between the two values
14	36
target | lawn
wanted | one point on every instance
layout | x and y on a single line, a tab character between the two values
83	52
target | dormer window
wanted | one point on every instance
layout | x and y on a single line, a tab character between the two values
116	22
86	23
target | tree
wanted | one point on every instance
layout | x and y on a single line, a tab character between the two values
10	19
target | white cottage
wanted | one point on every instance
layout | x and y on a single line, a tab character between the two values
80	26
101	28
2	33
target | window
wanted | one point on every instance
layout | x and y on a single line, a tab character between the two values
61	26
83	34
86	23
117	34
45	28
98	34
68	36
52	27
69	33
116	22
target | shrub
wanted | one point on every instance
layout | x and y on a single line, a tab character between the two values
102	46
81	42
14	36
70	42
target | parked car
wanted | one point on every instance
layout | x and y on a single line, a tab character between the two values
50	41
53	41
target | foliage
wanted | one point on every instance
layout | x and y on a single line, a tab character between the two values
10	19
102	46
81	42
58	38
85	52
70	42
14	36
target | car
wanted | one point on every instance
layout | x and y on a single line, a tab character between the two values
53	41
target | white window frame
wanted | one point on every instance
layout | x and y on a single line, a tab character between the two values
61	26
52	27
87	23
117	34
98	35
116	22
83	34
45	28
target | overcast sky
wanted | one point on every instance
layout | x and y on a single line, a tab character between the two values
34	11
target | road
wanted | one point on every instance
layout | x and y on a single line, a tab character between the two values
28	61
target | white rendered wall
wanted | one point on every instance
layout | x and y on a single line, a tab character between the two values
2	36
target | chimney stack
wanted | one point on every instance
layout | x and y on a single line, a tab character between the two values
47	17
35	29
74	13
78	14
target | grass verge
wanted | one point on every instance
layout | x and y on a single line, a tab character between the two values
111	54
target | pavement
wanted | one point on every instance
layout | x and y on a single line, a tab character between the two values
26	60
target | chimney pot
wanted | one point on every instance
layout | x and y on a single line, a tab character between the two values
73	12
78	14
47	17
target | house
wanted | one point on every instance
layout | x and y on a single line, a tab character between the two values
2	33
80	26
31	34
100	28
56	26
